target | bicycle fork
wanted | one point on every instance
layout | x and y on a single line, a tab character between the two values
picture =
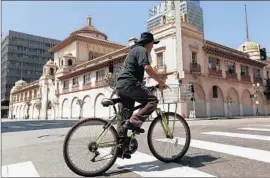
164	123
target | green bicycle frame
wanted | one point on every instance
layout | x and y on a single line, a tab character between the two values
107	127
164	123
118	118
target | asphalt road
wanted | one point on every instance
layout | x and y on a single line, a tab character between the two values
220	148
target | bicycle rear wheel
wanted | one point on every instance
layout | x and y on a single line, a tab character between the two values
90	146
156	137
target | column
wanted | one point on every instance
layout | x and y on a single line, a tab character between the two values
238	70
56	111
43	112
226	111
241	109
208	113
183	110
254	109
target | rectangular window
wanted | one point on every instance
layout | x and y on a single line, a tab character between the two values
194	57
244	70
86	79
66	83
213	63
75	82
90	57
215	92
160	59
231	67
100	75
267	74
257	73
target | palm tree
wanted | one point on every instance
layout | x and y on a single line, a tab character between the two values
80	103
28	104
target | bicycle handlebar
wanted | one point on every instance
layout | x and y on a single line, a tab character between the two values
152	88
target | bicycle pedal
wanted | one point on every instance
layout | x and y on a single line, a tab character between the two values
125	156
138	131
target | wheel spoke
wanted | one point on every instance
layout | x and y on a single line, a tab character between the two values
92	128
170	151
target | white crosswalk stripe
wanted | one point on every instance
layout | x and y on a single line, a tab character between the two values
238	135
262	125
250	153
139	161
148	166
256	129
23	169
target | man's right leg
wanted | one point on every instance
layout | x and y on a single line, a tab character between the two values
142	95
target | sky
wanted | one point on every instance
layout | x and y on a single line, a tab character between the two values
224	21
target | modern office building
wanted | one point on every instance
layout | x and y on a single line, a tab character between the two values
23	57
191	8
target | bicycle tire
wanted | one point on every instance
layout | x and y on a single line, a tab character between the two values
70	164
150	138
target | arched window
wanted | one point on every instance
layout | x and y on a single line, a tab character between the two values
69	62
62	62
51	71
215	92
244	48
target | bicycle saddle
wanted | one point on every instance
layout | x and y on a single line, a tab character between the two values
108	102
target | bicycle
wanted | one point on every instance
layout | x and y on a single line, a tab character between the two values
126	144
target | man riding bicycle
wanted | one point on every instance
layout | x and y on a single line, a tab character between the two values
129	85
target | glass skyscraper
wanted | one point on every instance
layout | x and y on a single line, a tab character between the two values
191	8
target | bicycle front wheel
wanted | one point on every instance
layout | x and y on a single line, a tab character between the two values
94	156
169	149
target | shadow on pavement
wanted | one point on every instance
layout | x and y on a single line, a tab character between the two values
196	161
190	161
116	172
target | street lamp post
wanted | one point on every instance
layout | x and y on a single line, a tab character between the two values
256	87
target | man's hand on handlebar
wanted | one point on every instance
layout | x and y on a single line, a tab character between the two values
161	85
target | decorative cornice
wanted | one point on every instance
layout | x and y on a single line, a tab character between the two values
99	59
87	39
98	63
223	51
227	49
27	88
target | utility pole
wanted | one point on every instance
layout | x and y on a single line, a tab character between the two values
246	22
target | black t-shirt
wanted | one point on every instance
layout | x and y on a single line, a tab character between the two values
132	71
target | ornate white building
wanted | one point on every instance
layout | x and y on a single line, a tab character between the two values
72	86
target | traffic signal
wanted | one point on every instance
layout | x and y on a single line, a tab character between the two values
263	54
110	67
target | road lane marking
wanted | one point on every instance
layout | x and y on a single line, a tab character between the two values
38	125
148	166
256	129
250	153
239	135
23	169
15	127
